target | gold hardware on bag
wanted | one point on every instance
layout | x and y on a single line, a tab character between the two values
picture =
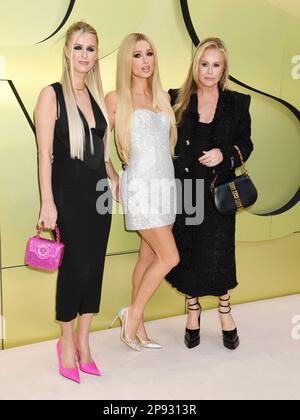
235	195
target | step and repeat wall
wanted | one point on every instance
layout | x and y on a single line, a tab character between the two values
263	40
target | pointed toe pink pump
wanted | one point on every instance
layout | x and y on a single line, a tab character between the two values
90	368
72	374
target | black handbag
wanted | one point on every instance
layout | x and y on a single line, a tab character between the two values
234	195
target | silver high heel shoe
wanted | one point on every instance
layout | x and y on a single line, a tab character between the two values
122	315
148	344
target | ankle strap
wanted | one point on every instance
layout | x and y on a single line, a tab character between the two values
224	306
228	312
190	305
194	304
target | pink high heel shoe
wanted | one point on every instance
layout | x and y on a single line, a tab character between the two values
72	374
90	368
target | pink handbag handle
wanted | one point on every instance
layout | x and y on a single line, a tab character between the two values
40	230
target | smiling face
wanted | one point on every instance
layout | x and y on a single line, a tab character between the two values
84	53
211	67
143	61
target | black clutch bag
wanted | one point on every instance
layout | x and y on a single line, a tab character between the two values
234	195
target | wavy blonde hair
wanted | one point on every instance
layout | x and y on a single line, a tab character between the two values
125	110
191	84
94	84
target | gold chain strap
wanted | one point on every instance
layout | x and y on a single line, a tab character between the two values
244	170
243	166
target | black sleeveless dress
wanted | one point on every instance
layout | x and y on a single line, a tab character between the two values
84	230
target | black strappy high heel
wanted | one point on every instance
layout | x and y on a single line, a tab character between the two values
192	337
230	338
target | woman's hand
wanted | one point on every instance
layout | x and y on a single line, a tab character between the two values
212	158
48	216
116	191
115	181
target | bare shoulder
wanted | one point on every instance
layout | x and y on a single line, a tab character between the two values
111	100
46	104
46	100
47	94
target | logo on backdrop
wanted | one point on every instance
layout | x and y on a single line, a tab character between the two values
191	29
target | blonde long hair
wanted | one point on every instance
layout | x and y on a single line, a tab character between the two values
94	84
191	84
125	111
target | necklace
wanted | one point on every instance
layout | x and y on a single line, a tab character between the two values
80	90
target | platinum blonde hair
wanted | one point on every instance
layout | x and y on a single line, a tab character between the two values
125	110
94	84
191	83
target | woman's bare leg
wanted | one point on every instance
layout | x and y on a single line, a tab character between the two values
193	313
226	318
146	257
68	349
162	243
82	337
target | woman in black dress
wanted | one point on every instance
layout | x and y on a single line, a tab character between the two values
211	120
72	135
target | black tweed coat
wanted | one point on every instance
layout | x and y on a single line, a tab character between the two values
207	252
232	127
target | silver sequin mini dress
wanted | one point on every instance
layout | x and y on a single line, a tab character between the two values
148	187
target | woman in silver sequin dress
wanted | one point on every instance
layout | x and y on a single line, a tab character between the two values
148	185
146	136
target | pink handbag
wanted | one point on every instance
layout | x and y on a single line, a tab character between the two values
43	253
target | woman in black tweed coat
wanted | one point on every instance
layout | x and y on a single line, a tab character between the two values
211	120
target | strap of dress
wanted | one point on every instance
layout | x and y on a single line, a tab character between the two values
59	98
61	126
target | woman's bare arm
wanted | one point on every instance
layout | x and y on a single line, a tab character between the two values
45	116
111	101
111	105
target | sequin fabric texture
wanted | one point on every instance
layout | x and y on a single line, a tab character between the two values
148	186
